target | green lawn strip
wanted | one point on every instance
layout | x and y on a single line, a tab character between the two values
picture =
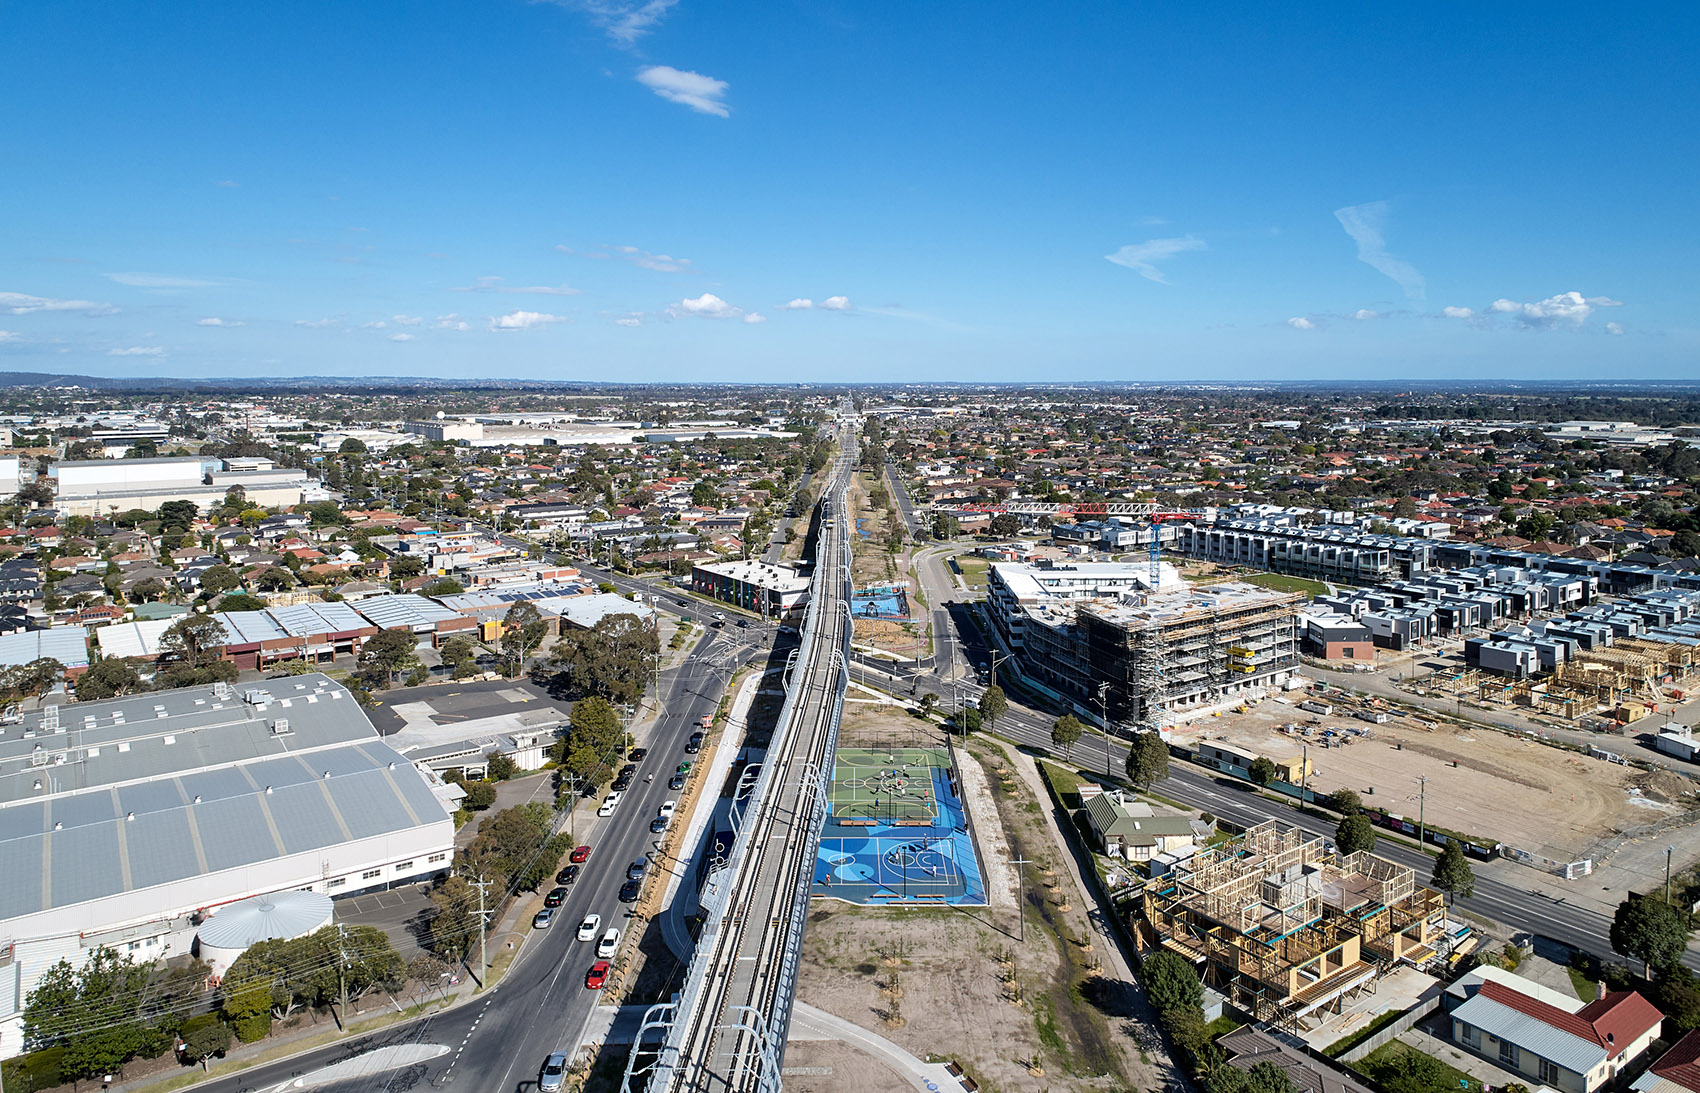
1340	1047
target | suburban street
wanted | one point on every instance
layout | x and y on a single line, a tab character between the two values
498	1041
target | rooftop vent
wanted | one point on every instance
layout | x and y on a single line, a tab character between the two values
280	727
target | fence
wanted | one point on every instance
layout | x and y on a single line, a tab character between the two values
1429	1002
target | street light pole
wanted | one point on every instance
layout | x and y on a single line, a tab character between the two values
1104	723
1422	810
1668	850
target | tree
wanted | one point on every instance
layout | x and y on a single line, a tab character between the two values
405	569
969	720
594	732
178	514
219	578
1066	733
1147	760
94	1012
523	628
929	702
703	495
352	446
1649	930
1346	802
458	653
1005	524
479	796
611	659
191	652
993	704
248	1008
35	493
1170	982
148	589
206	1040
454	918
240	601
1452	872
29	680
1264	1077
499	767
386	651
274	579
1262	770
1355	833
108	677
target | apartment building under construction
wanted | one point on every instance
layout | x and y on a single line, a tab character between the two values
1138	656
1285	930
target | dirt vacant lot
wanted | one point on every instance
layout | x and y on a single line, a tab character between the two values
1479	781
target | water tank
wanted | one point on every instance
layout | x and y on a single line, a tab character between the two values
276	917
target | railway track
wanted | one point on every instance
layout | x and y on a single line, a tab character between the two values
725	1032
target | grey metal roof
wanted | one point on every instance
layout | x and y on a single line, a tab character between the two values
144	790
1530	1034
69	645
248	627
405	609
306	619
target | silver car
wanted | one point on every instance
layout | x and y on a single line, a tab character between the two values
553	1074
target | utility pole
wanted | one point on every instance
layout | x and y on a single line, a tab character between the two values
1422	811
1104	723
341	971
483	955
1021	901
1668	850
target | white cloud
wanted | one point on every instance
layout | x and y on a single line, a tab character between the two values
158	280
1364	314
137	351
628	320
1458	312
316	324
755	317
523	320
227	184
624	21
708	306
406	320
1299	322
449	322
701	93
1142	258
637	256
18	303
494	284
403	337
835	303
1364	223
376	324
8	336
1611	328
214	321
1566	309
801	303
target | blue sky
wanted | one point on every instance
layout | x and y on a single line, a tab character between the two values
645	189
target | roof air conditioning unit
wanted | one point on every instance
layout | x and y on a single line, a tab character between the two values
280	727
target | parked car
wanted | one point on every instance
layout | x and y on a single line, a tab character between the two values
637	754
543	918
597	977
676	782
658	825
567	875
629	891
667	809
587	929
628	770
694	744
555	897
684	768
622	783
609	804
580	855
610	943
638	868
554	1072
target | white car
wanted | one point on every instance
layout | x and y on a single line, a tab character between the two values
609	804
667	810
609	945
587	929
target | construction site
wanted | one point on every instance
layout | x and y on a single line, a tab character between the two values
1287	932
1621	682
1174	653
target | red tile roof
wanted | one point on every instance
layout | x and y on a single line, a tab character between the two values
1681	1064
1613	1022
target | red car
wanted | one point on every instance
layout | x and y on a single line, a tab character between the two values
597	976
579	856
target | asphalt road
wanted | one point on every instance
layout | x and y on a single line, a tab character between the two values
498	1042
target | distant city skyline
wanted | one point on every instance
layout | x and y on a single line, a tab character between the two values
665	190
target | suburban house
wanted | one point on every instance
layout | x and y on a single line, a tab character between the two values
1677	1071
1549	1038
1131	830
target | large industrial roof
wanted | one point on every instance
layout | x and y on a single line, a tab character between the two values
69	645
305	619
404	610
140	791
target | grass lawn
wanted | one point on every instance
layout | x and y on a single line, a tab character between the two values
1067	784
1586	989
1281	583
1416	1070
973	571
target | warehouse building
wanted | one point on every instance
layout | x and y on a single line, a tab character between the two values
124	823
101	487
